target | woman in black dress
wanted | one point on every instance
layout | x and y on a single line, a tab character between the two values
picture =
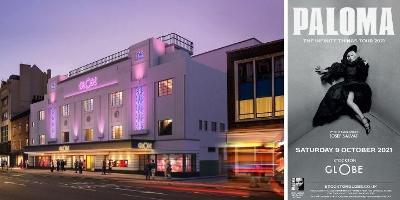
350	97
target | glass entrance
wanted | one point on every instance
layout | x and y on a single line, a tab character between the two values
89	163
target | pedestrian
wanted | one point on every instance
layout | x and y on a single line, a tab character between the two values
58	165
6	164
153	169
165	168
26	164
51	166
147	170
80	166
109	167
2	165
63	163
169	169
76	166
103	167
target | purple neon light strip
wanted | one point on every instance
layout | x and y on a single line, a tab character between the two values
52	123
139	111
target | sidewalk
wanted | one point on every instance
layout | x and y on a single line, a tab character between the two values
215	182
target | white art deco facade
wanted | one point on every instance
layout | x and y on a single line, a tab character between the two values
151	101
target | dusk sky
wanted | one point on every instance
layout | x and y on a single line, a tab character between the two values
64	35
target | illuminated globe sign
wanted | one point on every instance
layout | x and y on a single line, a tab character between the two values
63	148
145	145
142	144
90	82
53	85
139	55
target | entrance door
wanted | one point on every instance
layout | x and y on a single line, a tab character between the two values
90	163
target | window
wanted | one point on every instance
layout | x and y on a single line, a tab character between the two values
260	88
213	126
165	127
165	87
41	115
89	134
116	99
246	90
26	142
190	162
65	110
4	133
88	105
4	116
221	127
278	83
27	127
65	137
200	124
42	139
211	149
116	132
205	125
33	124
33	141
176	161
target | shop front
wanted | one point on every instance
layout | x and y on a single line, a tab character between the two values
5	150
256	156
122	154
18	159
5	159
125	156
182	164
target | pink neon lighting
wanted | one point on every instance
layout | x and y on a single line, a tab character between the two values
88	83
139	70
52	96
93	88
75	129
159	47
101	125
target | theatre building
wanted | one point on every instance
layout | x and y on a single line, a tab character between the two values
142	103
256	110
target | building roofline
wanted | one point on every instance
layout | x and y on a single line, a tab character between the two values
92	70
20	115
257	45
228	46
34	66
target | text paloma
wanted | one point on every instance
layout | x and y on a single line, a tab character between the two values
359	21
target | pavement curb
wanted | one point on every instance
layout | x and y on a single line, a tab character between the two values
126	177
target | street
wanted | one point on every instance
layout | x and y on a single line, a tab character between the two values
18	185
